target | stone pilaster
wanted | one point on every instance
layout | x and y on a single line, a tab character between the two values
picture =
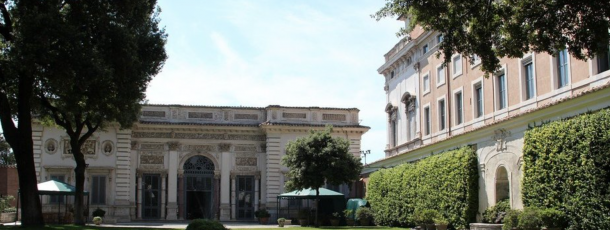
272	175
123	184
172	184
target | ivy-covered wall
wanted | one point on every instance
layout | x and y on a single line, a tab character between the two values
567	167
447	182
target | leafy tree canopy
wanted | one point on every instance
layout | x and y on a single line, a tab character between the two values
508	28
319	159
7	157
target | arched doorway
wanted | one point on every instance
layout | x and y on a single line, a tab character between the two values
502	185
199	187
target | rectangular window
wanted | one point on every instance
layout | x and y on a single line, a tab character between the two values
439	38
441	115
501	82
457	65
478	94
529	80
603	61
459	108
562	68
440	75
98	190
476	60
412	125
427	119
425	49
426	83
55	199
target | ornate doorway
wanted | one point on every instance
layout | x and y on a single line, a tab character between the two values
245	197
151	192
199	188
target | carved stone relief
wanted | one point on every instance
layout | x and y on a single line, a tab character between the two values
246	168
206	136
152	146
245	148
274	114
333	117
134	145
51	146
245	161
201	115
224	147
178	114
245	155
88	148
208	148
294	115
148	158
500	136
226	115
107	148
160	114
173	145
242	116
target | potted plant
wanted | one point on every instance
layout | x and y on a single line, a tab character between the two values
97	220
281	222
349	217
441	223
304	217
99	212
262	215
364	215
335	218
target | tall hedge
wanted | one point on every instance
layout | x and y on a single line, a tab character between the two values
567	167
447	182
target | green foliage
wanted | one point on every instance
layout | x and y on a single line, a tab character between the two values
99	212
7	157
529	218
448	182
348	213
97	219
205	224
5	204
496	29
319	159
567	167
511	220
425	216
552	218
261	213
499	210
364	213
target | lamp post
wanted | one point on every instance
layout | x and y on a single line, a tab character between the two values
364	153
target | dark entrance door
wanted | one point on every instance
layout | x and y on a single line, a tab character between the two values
245	197
151	193
199	187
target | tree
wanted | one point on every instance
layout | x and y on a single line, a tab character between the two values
508	28
320	159
93	62
7	157
16	104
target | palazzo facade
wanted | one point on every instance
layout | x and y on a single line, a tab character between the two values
186	162
432	107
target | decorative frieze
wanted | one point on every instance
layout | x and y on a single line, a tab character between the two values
246	168
160	114
245	161
88	148
245	148
205	136
242	116
173	145
245	154
294	115
224	147
150	158
208	148
155	146
333	117
200	115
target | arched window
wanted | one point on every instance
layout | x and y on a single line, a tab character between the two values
502	185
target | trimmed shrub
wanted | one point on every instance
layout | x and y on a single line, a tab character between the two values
567	167
530	219
426	216
205	224
448	182
495	214
511	220
552	218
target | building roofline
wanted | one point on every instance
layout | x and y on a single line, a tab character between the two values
248	107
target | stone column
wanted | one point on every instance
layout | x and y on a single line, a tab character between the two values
163	197
172	183
181	196
257	201
232	194
225	185
139	198
217	192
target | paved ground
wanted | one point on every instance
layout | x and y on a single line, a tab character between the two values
181	225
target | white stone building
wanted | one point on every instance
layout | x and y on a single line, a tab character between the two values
186	162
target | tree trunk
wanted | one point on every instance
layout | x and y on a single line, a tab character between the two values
20	140
79	171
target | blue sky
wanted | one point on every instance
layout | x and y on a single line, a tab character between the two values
290	53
